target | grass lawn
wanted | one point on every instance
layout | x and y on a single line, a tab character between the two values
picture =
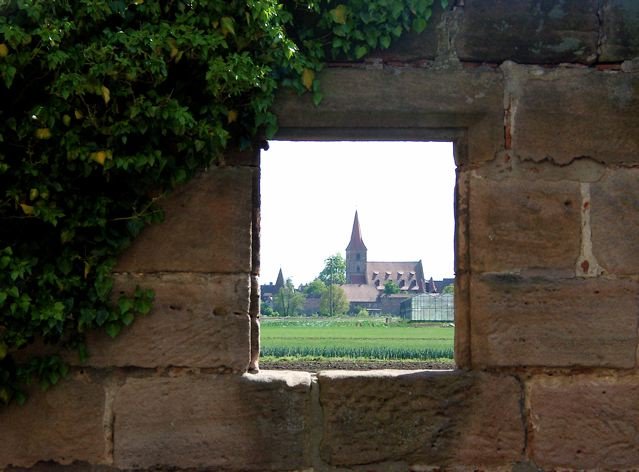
356	338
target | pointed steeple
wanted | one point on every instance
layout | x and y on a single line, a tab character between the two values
356	243
356	256
279	283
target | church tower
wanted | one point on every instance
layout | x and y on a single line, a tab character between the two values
356	256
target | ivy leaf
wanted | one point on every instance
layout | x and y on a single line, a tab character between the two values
228	25
5	396
125	305
127	319
26	209
106	94
43	133
419	25
444	4
113	329
360	52
338	14
307	78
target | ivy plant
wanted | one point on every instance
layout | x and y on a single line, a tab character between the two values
107	105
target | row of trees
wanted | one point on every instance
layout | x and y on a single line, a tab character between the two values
289	302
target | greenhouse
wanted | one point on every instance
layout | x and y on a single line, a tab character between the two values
429	307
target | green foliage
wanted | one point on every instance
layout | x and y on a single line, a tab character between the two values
334	271
107	105
288	301
362	313
391	287
316	288
333	301
449	289
267	310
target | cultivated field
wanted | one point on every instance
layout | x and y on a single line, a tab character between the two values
354	338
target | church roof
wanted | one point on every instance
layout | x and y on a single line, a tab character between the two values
408	275
356	243
279	283
360	292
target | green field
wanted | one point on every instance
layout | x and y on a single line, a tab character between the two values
355	338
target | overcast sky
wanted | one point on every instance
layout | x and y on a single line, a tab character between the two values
403	192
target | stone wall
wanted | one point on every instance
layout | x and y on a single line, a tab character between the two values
541	100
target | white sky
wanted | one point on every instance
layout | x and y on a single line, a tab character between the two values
403	192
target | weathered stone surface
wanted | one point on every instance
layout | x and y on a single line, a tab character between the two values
197	320
621	30
565	113
585	422
615	220
553	322
63	425
462	320
420	417
530	31
520	224
207	227
404	100
250	422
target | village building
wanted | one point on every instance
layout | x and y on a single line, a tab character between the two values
268	291
365	280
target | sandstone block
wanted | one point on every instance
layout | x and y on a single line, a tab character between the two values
553	322
524	224
197	320
405	99
420	418
615	220
250	422
207	227
63	424
621	31
530	31
585	422
553	117
462	320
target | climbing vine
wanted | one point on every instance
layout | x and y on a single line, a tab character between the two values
107	105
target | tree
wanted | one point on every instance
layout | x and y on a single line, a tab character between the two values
390	287
449	289
316	288
334	271
267	310
333	301
362	313
288	301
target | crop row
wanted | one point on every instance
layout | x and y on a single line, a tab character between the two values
365	352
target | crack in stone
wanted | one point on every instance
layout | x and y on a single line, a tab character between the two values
587	265
601	35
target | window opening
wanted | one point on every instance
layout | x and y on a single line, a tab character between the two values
320	221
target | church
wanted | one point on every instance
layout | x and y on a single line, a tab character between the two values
365	279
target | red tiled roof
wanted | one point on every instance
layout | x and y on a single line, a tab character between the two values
360	292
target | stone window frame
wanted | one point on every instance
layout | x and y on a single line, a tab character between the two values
458	137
